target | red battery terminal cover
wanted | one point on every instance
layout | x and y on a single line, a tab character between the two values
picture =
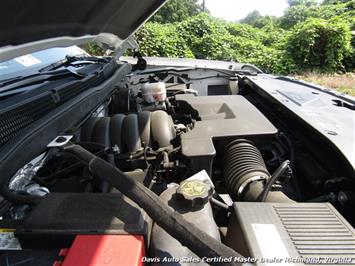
104	250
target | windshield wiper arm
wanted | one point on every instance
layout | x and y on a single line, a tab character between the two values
70	59
18	82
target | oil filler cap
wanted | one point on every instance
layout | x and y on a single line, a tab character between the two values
193	193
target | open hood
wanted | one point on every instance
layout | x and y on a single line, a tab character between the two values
22	22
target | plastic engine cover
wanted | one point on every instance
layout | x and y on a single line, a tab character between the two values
222	118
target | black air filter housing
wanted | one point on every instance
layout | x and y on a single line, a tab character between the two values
291	233
220	119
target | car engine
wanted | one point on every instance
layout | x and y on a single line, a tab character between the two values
203	143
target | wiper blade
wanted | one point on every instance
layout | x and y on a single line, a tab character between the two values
51	72
18	82
68	60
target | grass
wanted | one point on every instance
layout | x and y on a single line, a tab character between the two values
344	83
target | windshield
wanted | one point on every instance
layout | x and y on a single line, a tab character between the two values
30	64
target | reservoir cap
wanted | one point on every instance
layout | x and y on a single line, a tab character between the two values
193	193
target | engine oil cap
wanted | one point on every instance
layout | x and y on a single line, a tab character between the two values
193	193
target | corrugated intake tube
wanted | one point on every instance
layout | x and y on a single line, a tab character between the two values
245	173
243	164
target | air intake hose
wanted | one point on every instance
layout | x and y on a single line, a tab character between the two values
243	164
245	173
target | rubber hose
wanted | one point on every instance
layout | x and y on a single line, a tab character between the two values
242	162
172	222
275	176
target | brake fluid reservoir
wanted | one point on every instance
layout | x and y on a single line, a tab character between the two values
191	200
233	86
154	92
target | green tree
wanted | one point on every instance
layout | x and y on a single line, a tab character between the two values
206	36
251	18
162	40
176	11
266	21
307	3
320	44
335	2
327	11
245	31
310	36
295	14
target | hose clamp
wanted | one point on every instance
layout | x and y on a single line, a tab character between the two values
247	182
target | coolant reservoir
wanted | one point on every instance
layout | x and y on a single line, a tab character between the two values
191	200
233	86
154	92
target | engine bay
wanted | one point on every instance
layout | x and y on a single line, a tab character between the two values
212	149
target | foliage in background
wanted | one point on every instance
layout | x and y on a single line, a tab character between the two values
161	40
320	44
176	11
308	37
94	49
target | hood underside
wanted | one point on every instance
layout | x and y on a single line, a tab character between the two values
34	20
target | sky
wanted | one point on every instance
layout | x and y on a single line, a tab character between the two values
233	10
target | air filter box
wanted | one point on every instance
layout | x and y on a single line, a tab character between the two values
220	120
291	234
